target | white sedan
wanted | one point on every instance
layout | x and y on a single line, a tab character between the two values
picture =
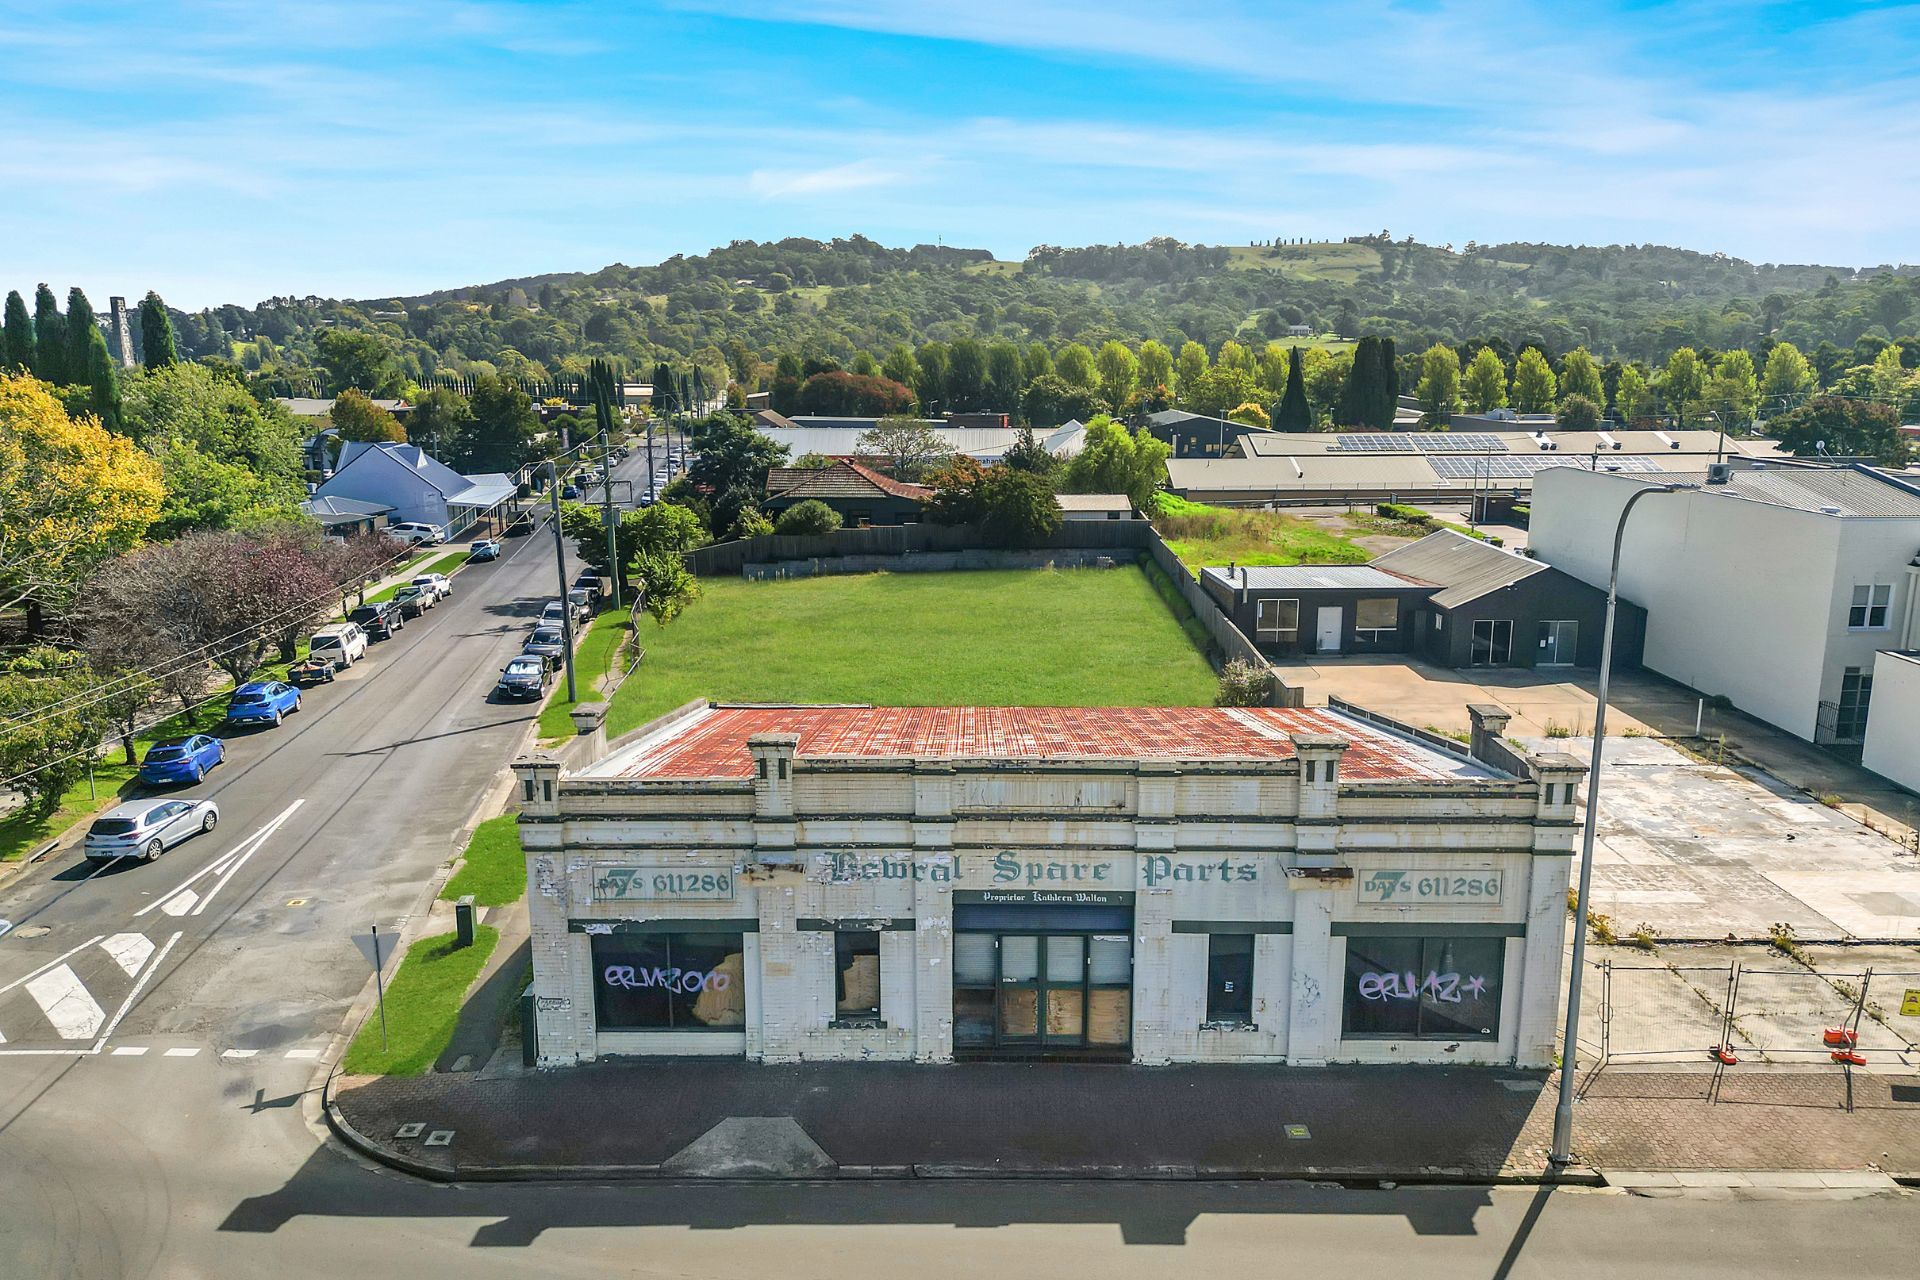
148	828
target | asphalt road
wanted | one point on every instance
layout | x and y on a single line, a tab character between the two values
160	1050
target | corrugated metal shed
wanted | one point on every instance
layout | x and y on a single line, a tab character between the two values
1465	568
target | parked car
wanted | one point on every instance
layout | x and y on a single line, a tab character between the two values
262	702
553	615
520	526
414	531
441	584
483	550
413	601
379	621
547	641
148	828
570	492
593	584
583	602
311	671
524	677
181	759
341	644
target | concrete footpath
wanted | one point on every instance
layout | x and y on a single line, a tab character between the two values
692	1118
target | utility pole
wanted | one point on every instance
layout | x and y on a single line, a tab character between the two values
560	563
606	505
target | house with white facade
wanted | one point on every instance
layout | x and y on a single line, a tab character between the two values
1146	884
1777	588
415	486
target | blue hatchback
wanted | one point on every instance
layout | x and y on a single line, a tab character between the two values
262	702
182	759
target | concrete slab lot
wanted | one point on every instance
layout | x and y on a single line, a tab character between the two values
1704	852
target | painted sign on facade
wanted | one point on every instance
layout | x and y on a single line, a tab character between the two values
855	868
1433	888
657	884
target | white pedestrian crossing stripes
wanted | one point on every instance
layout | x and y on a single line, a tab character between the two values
74	1013
130	950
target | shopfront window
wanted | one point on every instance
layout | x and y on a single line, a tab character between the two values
856	965
669	981
1421	988
1230	977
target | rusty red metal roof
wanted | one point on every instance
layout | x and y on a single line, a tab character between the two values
713	743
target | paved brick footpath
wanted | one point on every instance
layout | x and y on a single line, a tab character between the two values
1201	1121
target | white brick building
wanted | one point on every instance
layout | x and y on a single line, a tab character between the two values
1153	884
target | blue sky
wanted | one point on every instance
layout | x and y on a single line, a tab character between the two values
229	151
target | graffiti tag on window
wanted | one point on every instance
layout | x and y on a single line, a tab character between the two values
1448	988
686	981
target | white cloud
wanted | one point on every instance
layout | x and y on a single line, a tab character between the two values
859	175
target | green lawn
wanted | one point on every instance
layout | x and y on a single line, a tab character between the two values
448	563
1203	535
495	869
423	1006
1082	637
591	663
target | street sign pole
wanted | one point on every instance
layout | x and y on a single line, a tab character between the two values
560	560
380	988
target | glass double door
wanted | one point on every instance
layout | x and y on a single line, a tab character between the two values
1043	991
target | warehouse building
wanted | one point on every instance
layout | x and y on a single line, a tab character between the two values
1187	884
1485	468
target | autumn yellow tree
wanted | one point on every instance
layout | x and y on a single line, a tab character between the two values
72	494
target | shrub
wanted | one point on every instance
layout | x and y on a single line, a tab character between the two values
1242	684
810	517
1401	511
1017	508
751	523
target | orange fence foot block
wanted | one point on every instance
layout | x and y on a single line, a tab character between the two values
1849	1057
1840	1038
1724	1055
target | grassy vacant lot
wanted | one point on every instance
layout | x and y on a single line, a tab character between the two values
1083	637
423	1006
591	663
1344	263
495	869
1203	535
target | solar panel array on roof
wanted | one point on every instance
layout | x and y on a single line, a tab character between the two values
1465	442
1524	467
1379	442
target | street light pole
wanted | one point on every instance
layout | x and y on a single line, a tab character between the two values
1562	1153
560	561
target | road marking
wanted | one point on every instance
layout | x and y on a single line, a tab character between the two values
239	1053
129	950
49	964
130	1051
61	995
182	900
257	842
182	1051
306	1055
138	986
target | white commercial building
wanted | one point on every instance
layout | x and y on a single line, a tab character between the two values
1775	589
1892	749
1154	884
413	485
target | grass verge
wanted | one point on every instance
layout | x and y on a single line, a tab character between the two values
25	830
1077	637
423	1006
591	663
494	869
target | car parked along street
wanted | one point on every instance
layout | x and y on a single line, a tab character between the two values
148	828
175	760
379	621
524	678
262	702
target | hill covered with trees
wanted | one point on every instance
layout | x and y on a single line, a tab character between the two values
732	312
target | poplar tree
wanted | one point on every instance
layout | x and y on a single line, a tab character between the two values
1360	395
16	341
49	338
1294	413
1383	390
80	322
157	348
103	376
